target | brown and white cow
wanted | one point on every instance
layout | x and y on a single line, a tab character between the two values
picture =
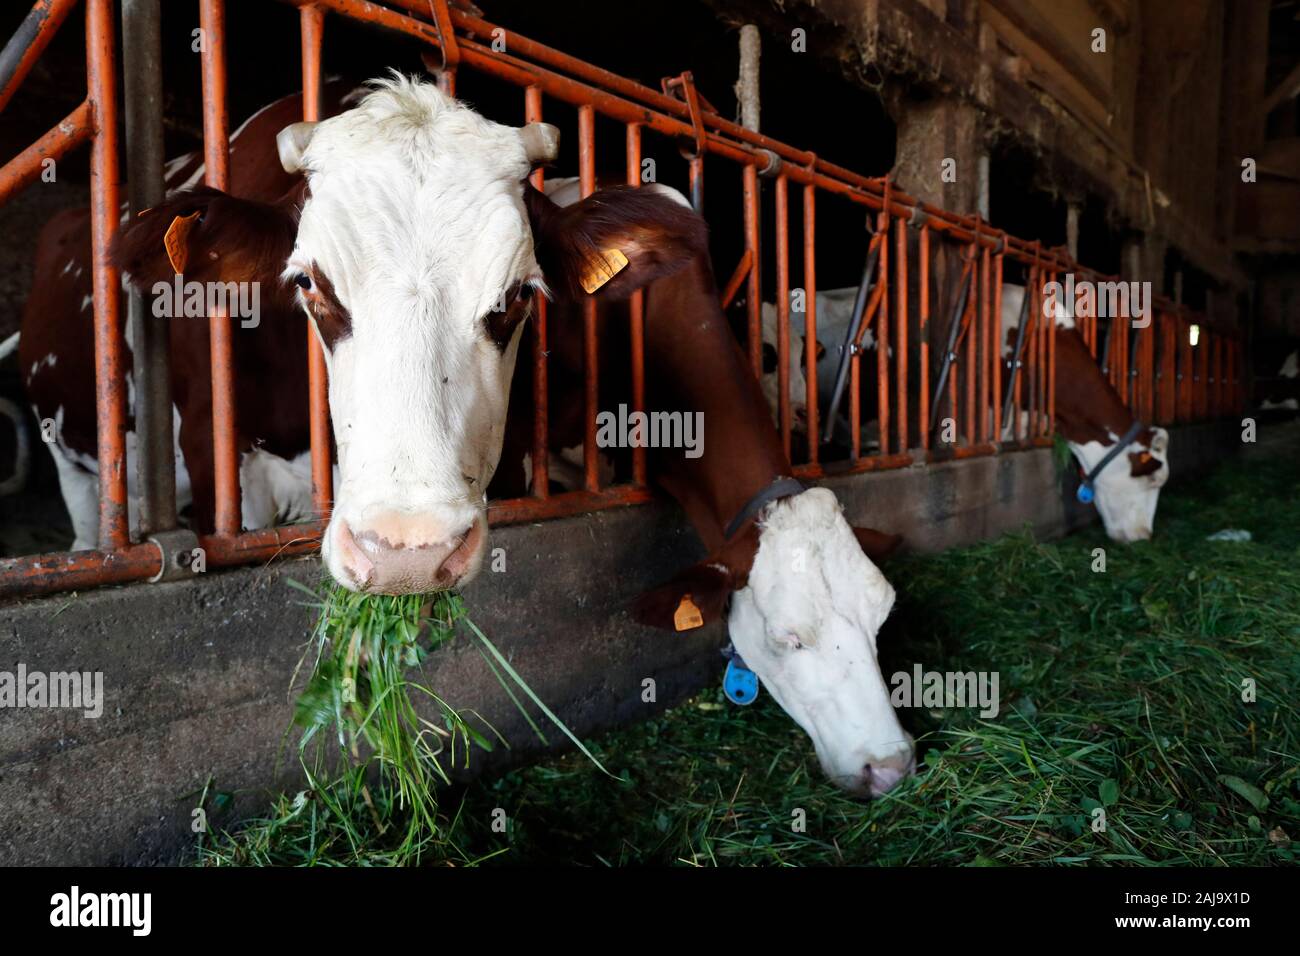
1090	415
416	249
796	584
56	348
1093	419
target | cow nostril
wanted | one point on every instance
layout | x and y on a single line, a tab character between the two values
884	775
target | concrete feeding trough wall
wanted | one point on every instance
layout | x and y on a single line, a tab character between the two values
196	673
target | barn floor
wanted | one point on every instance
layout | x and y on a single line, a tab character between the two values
1119	690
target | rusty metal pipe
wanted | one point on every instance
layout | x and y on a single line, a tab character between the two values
74	129
110	372
28	43
311	29
142	94
216	157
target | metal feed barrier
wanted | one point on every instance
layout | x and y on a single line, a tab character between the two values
1157	371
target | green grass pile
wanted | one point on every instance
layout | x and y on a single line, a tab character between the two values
1121	692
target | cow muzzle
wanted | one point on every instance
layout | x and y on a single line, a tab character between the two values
397	553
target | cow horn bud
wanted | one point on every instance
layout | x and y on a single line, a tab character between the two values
291	142
541	142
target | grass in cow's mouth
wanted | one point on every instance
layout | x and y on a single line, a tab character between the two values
1121	691
374	759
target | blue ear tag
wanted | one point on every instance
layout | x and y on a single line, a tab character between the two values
1084	493
740	684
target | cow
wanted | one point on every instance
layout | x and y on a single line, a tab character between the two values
795	583
56	349
834	317
1124	462
416	247
1090	415
1280	392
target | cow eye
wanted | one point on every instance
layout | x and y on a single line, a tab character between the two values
526	292
770	358
303	281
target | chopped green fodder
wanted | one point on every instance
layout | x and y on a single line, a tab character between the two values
373	760
1120	692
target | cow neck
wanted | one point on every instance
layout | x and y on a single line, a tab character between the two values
1088	408
698	366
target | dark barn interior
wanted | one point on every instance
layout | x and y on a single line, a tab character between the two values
1153	140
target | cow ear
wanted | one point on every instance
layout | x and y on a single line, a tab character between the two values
206	235
877	545
696	597
613	242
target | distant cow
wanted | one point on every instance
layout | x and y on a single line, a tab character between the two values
1090	414
1093	419
834	317
1282	390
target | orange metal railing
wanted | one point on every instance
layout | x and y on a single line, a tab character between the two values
1165	383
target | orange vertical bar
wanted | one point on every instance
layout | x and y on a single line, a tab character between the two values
900	353
855	406
637	312
953	372
998	345
1203	371
312	25
783	308
972	333
882	332
1049	420
1044	423
810	313
986	343
587	181
755	289
1125	368
541	439
697	184
923	418
216	156
110	378
1189	369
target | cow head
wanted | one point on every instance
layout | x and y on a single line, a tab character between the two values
797	362
416	253
805	617
1127	490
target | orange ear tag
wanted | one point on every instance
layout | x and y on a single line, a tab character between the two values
175	240
687	617
601	268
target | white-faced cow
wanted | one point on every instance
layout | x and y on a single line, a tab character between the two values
1125	462
802	599
1090	414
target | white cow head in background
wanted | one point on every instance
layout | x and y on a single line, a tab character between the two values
1091	417
1127	490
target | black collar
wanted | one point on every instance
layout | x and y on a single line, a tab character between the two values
784	487
1134	430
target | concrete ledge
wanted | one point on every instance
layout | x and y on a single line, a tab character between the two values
196	673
